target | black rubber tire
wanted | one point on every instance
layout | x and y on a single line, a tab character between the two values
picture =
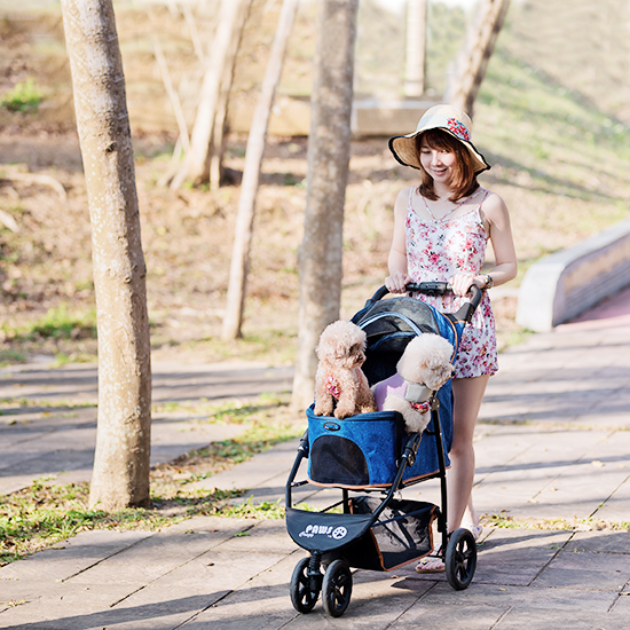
302	597
337	588
461	559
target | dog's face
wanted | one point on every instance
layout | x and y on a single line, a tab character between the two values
342	344
426	359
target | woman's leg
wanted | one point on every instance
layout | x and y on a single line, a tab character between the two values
468	394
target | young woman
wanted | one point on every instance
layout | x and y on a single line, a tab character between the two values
441	229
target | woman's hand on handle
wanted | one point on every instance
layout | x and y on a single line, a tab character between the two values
397	282
461	283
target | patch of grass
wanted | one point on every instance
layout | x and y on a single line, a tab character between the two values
25	97
276	347
504	521
61	358
41	516
248	509
45	514
57	323
10	357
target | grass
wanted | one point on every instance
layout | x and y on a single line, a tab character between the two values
25	97
504	521
45	514
59	322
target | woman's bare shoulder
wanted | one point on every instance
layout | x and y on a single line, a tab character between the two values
493	205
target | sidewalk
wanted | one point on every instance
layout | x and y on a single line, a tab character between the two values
553	444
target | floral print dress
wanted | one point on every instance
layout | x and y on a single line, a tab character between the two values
437	249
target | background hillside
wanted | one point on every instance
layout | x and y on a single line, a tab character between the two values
553	118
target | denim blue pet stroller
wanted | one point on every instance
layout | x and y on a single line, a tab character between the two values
371	454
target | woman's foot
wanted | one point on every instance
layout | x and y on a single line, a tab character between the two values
476	530
433	563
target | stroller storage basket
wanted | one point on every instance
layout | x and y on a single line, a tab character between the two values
364	451
402	533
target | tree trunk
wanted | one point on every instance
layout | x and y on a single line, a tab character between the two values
219	129
473	61
195	165
416	47
320	259
123	441
251	175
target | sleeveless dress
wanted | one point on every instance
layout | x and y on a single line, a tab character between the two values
436	251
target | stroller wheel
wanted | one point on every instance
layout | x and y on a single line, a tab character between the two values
461	559
303	597
337	588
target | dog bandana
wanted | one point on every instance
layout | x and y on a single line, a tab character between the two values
332	387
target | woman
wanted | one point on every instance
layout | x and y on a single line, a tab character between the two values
441	229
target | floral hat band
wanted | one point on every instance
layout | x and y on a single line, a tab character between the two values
445	117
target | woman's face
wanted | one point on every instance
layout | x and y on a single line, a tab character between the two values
438	163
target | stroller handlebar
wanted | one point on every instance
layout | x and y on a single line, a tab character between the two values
465	313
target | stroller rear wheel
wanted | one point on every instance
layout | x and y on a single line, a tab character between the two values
461	559
337	588
303	595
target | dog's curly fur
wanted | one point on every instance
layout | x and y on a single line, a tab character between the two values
341	353
426	360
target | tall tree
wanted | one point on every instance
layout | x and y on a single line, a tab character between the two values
123	441
415	68
320	258
195	165
473	61
251	174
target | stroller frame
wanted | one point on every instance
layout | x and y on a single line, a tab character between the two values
338	541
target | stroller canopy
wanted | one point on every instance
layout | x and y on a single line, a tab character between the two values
391	324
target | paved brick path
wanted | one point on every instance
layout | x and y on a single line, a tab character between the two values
553	443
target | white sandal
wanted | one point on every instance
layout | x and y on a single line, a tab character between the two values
476	530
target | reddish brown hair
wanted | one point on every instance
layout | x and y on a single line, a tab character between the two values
464	181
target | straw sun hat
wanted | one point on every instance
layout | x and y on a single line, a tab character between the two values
445	117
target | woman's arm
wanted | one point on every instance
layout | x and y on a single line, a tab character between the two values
397	259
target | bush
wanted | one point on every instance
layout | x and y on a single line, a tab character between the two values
24	97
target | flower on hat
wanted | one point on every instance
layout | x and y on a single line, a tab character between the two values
458	128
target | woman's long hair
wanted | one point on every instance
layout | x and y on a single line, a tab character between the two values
464	182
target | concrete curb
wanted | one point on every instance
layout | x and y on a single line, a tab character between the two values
564	285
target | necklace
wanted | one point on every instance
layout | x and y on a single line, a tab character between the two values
457	206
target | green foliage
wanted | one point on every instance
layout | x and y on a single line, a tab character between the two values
58	323
248	509
24	97
41	516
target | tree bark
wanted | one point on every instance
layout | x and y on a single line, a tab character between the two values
195	165
123	442
415	69
320	258
256	141
473	61
217	147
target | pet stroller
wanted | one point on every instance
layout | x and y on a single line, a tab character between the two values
371	454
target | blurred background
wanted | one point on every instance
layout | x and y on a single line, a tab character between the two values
552	116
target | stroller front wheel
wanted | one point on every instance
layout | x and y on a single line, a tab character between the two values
303	597
337	588
461	559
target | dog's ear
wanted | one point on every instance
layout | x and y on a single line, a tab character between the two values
434	379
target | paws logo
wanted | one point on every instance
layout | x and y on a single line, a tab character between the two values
323	530
339	533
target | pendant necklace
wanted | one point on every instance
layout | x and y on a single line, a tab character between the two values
458	205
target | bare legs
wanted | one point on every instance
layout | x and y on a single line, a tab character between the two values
468	394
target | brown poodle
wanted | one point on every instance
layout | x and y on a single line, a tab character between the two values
341	353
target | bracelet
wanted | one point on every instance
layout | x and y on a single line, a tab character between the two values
489	282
